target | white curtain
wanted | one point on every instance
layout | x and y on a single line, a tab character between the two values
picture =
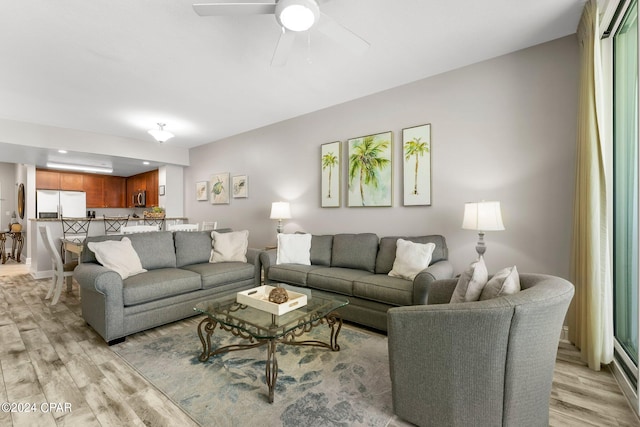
591	319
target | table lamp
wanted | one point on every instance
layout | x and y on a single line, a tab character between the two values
280	211
482	216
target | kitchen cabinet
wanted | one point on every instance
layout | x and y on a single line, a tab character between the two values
105	191
115	191
94	187
147	181
47	180
72	181
152	188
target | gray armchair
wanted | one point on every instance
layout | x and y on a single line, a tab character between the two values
485	363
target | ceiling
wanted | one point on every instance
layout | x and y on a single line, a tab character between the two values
119	67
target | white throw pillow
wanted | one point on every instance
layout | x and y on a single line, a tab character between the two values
471	282
504	282
230	246
119	256
411	258
294	249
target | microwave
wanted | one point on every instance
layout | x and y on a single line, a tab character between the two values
140	199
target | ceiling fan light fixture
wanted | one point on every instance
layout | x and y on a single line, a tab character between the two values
297	15
161	135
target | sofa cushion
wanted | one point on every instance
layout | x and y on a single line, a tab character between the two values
384	288
387	250
294	249
321	250
229	247
295	274
156	249
504	282
356	251
335	279
159	283
471	283
411	258
192	248
87	254
118	256
222	273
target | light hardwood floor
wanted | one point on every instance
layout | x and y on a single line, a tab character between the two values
49	355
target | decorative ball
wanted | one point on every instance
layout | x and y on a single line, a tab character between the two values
16	227
278	295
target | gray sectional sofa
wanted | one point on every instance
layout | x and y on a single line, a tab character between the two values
179	276
357	266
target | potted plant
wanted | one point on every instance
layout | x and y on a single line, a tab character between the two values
156	212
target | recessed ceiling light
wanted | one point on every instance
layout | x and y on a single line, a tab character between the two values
145	163
62	151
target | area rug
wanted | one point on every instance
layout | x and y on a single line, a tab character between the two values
315	386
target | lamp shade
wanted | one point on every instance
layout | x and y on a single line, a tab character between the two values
482	216
280	210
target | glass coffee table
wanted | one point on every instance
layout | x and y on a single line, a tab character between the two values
260	327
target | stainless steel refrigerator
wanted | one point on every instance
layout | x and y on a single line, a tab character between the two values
54	204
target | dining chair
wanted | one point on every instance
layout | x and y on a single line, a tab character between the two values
74	230
209	225
183	227
131	229
60	270
112	225
154	221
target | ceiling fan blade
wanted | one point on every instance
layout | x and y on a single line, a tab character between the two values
239	7
342	35
283	49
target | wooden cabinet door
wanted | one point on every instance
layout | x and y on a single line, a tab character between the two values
129	196
47	180
152	188
115	190
72	181
94	187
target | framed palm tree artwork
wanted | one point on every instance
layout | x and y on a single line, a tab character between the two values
331	164
416	150
370	170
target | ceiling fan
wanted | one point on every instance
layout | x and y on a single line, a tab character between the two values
294	16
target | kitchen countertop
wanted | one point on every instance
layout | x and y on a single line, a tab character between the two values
169	218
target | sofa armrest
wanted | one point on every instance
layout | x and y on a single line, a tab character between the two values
421	284
102	299
267	259
253	257
97	278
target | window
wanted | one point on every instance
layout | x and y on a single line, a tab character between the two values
625	188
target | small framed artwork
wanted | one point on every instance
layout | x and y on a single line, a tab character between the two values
370	170
331	165
219	188
161	190
201	191
240	186
416	151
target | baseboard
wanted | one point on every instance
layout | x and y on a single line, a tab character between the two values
42	274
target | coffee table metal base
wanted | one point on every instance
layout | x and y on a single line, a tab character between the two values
208	325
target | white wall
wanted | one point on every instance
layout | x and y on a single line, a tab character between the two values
8	193
503	129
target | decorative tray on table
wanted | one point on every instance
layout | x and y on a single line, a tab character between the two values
259	298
